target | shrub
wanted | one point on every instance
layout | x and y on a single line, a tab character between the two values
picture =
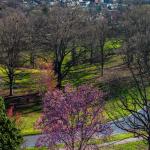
10	138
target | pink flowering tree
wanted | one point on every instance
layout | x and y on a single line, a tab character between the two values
72	116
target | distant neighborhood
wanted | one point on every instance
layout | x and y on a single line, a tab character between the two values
110	4
95	5
98	4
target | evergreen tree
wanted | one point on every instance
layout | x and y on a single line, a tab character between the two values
10	138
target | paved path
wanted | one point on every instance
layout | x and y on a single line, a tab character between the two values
129	140
31	140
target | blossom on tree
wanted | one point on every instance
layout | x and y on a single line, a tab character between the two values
47	80
71	116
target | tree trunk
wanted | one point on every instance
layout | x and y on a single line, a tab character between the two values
59	80
58	73
10	85
149	143
32	60
73	54
91	56
102	61
10	90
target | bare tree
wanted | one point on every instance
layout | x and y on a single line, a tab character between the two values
90	41
96	35
65	26
37	30
134	109
12	41
136	51
137	38
12	3
102	31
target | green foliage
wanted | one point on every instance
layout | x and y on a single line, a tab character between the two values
10	137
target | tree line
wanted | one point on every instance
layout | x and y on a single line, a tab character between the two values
60	32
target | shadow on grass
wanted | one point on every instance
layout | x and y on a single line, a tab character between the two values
83	74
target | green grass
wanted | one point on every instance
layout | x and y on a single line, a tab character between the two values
90	72
130	146
113	44
25	81
28	121
113	61
81	74
119	137
28	118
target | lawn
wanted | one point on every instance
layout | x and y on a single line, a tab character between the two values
78	75
140	145
26	83
91	72
28	121
28	118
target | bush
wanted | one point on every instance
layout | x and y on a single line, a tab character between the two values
10	138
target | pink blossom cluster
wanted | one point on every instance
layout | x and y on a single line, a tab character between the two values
72	115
